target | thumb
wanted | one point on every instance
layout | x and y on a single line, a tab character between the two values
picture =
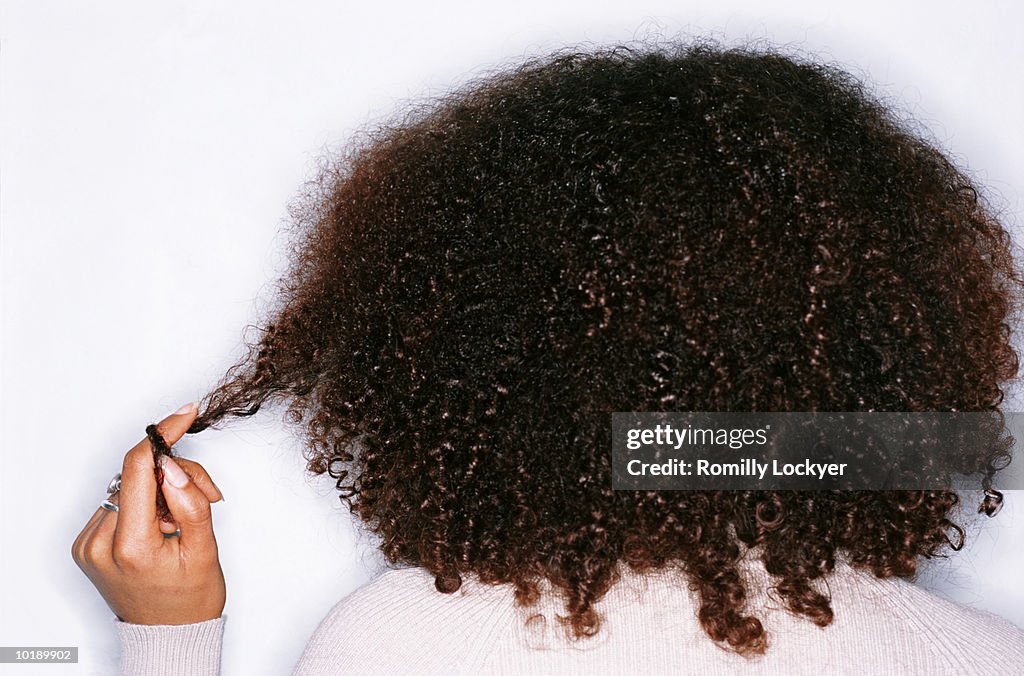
189	506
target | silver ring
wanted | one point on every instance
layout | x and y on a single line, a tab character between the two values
109	506
114	485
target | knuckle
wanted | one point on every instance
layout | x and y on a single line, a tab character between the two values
198	514
138	460
93	550
126	554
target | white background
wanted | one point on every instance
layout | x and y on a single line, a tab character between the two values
149	150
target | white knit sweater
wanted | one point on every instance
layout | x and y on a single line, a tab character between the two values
399	624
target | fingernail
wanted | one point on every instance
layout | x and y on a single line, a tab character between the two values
187	408
173	472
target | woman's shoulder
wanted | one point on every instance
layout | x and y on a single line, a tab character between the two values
400	623
399	619
410	592
906	617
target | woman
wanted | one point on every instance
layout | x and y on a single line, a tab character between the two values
477	288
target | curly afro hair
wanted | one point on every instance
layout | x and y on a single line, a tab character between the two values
477	285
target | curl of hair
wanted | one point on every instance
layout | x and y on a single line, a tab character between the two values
475	287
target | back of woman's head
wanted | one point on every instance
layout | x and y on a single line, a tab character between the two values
477	287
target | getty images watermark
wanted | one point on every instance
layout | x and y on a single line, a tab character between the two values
815	451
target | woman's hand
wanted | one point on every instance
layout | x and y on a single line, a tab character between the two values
145	577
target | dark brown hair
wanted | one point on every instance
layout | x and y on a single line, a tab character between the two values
476	287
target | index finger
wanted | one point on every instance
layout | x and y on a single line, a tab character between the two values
137	520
